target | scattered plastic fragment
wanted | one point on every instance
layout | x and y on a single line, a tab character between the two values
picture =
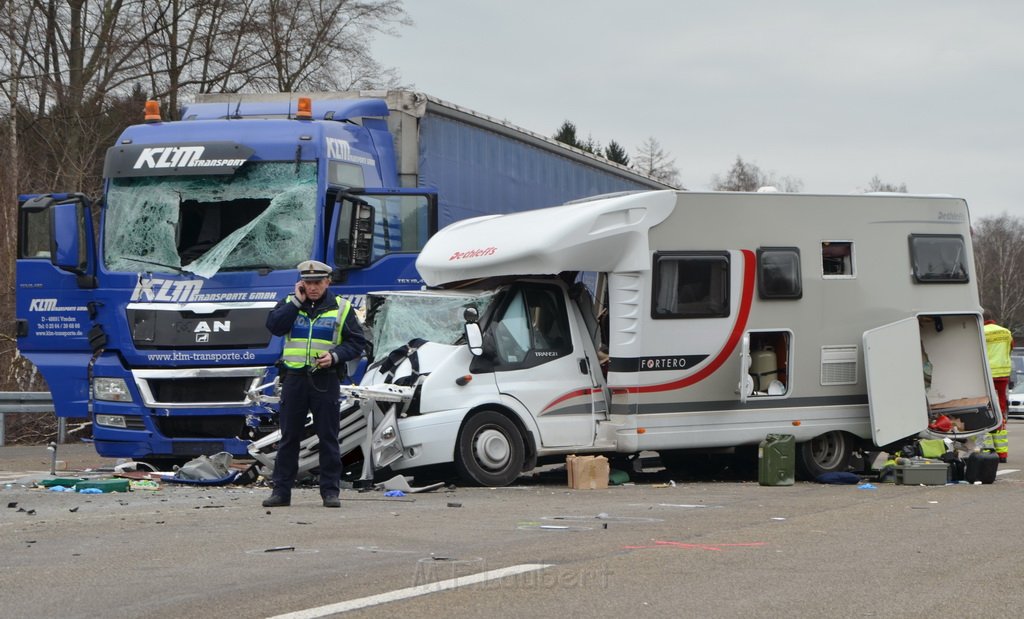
867	486
72	509
12	505
455	505
394	493
90	491
279	548
143	484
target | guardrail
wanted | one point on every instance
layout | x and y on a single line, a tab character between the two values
28	402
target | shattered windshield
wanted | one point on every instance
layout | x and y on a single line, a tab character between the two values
398	318
260	217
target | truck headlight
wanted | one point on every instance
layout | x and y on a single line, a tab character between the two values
111	390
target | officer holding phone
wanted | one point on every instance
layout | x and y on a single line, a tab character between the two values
321	333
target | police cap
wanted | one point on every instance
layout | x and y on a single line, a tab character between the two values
312	269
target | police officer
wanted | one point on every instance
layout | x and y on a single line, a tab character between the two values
321	333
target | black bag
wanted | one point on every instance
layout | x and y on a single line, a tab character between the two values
957	467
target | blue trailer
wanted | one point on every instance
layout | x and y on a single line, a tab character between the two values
152	325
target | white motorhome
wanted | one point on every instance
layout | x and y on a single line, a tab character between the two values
849	321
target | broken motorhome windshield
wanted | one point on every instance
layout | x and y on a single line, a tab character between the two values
260	217
398	318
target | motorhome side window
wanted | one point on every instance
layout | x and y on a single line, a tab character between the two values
778	273
837	259
691	285
533	329
938	258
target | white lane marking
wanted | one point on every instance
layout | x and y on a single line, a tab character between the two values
410	592
1005	471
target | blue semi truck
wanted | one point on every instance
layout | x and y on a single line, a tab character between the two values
149	319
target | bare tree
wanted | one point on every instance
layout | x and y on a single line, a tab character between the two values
876	185
999	261
747	176
653	161
306	42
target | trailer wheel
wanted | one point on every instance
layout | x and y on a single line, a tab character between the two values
490	450
827	453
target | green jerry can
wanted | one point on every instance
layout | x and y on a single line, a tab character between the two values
776	459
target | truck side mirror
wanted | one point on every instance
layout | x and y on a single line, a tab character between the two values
474	338
361	236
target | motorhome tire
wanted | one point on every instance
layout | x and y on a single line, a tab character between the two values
827	453
490	450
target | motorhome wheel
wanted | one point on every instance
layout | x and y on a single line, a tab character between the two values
490	450
827	453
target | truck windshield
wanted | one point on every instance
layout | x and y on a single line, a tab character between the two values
260	217
395	319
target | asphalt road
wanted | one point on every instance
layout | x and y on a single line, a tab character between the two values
650	549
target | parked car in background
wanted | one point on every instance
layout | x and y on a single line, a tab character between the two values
1015	398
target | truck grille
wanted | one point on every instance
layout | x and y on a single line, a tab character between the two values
201	426
199	390
197	387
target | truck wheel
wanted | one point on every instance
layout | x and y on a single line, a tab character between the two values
490	450
827	453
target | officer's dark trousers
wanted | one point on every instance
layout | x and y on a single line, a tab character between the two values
318	393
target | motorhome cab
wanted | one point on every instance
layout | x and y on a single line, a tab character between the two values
851	322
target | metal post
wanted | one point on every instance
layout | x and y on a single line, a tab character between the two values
3	424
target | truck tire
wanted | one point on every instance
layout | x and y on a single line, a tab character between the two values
827	453
490	450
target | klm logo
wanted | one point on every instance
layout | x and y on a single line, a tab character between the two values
42	305
164	157
156	289
50	305
341	150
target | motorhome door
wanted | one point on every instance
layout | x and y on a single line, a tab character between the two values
895	381
543	360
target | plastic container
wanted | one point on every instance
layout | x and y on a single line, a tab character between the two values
982	466
922	473
105	485
776	460
764	367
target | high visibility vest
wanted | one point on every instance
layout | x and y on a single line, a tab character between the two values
1000	442
309	338
998	342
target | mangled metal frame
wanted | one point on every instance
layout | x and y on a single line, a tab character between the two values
379	440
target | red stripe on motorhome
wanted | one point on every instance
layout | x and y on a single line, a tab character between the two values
746	299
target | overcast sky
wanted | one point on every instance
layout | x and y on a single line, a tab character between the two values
929	93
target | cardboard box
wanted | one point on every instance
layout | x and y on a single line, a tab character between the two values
587	472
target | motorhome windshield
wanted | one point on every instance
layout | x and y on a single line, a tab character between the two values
398	318
260	217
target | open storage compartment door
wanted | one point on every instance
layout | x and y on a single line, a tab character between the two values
746	384
895	381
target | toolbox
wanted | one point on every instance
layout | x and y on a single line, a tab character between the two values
923	473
